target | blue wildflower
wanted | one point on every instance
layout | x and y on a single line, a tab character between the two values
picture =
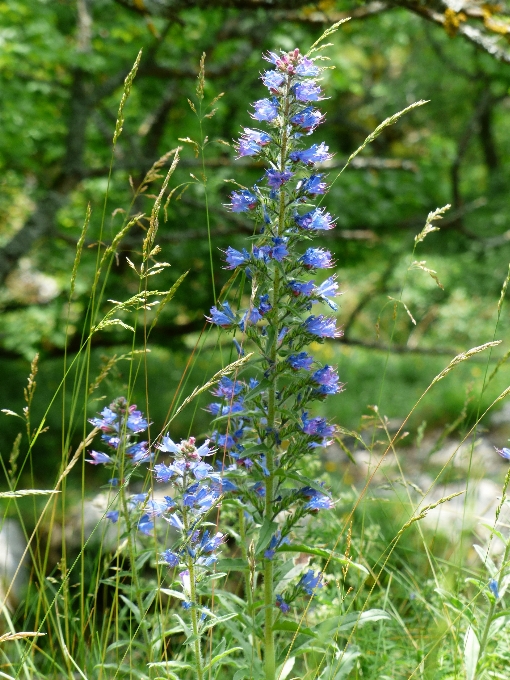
171	558
168	446
322	327
307	91
315	220
308	119
319	502
327	379
326	290
493	587
504	453
282	605
262	253
265	109
264	305
301	360
146	525
99	458
275	179
279	249
318	153
307	68
241	201
113	516
317	426
228	388
222	317
251	142
309	582
313	185
136	422
240	351
301	287
209	545
235	258
316	258
273	80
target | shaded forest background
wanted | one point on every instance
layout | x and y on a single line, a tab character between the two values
62	67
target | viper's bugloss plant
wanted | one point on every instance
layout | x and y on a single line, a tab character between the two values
264	427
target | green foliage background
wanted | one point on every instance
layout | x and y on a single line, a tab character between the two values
62	66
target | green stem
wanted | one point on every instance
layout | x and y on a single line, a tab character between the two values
269	651
193	596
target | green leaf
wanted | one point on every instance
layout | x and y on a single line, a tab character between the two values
321	552
219	657
267	530
471	652
219	619
293	627
232	564
346	622
172	593
132	607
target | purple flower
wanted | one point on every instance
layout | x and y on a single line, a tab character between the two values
275	179
326	290
282	605
265	109
313	185
308	91
317	426
138	452
279	249
275	542
322	326
171	558
168	446
315	220
251	142
241	201
309	582
301	287
272	80
164	473
227	388
307	68
301	360
99	458
222	317
107	422
307	119
113	516
316	258
327	379
136	422
504	453
235	258
199	497
225	441
319	502
315	154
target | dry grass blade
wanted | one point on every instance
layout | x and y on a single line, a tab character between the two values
425	511
503	291
329	31
216	377
27	492
464	356
128	82
79	249
19	636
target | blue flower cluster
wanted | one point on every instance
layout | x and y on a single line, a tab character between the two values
265	427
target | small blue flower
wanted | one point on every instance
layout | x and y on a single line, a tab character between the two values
209	545
222	317
298	288
136	422
171	558
235	258
315	220
327	379
307	68
282	334
272	80
493	587
222	485
307	119
309	582
322	327
146	525
282	605
301	360
251	142
113	516
264	305
313	185
262	253
228	388
275	179
318	153
241	201
279	249
240	351
265	109
317	426
99	458
319	502
168	446
504	453
308	91
316	258
326	290
224	441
